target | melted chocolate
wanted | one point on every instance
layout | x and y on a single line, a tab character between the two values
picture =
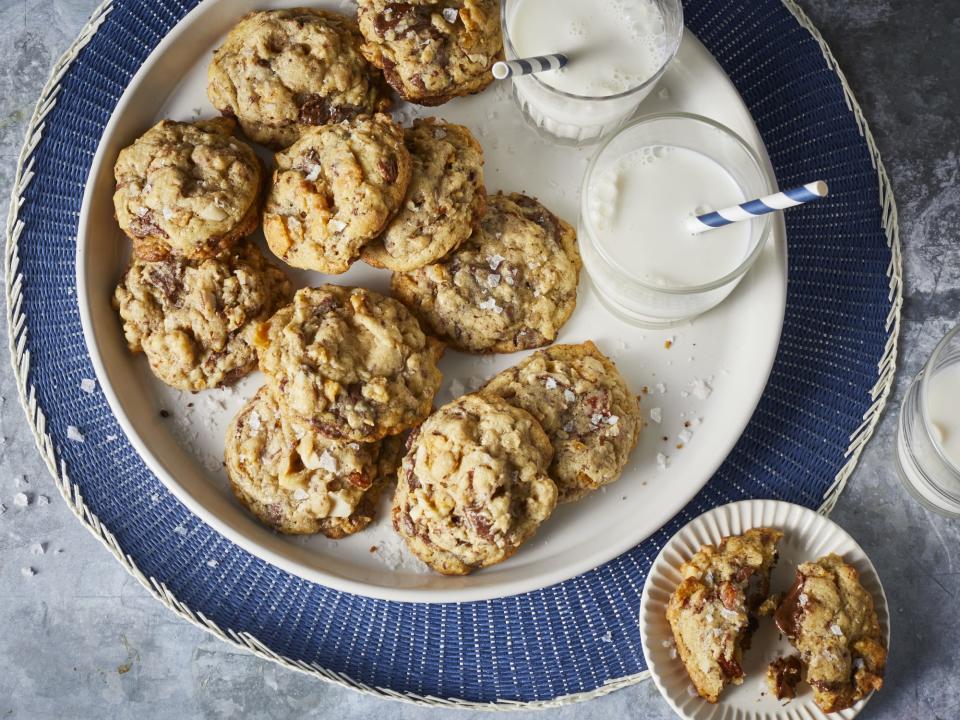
789	612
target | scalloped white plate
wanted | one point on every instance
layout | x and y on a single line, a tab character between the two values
732	346
807	536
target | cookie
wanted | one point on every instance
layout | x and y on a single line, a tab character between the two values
510	286
188	189
300	483
334	190
713	611
831	620
350	363
585	407
281	71
473	486
431	51
444	203
195	319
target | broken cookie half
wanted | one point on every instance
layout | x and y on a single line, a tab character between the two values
830	618
713	611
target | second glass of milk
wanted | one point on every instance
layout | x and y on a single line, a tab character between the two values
928	441
618	49
638	197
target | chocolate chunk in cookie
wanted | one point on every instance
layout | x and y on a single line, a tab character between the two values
510	286
282	71
190	189
334	190
473	486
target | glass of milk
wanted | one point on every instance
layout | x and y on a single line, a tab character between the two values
618	49
638	196
928	442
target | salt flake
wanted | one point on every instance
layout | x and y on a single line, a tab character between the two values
38	549
21	499
661	388
88	386
27	571
300	494
328	462
490	304
836	630
613	420
43	500
569	395
662	461
450	14
684	436
656	414
74	434
493	280
495	260
607	637
212	563
550	383
700	388
337	225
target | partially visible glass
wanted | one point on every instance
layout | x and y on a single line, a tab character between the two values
581	119
660	305
928	439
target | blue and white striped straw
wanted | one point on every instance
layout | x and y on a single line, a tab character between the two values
754	208
528	66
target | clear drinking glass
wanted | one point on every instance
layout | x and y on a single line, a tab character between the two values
632	298
580	119
928	448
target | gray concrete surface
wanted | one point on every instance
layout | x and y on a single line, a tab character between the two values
82	639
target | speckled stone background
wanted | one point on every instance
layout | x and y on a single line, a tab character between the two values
82	639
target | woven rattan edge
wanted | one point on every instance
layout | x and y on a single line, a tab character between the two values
71	493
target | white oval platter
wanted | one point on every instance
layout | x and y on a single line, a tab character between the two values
713	374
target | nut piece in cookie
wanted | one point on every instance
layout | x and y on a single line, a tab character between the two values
473	486
196	319
349	363
830	619
187	189
713	611
431	51
281	71
444	203
300	483
334	190
584	405
510	286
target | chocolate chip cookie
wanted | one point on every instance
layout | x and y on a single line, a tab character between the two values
187	188
510	286
300	483
334	190
281	71
431	51
444	203
584	405
473	486
714	609
831	620
195	319
349	363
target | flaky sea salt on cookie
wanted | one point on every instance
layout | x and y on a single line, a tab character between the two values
195	320
586	408
510	286
190	189
282	71
334	191
349	363
444	202
713	610
473	486
301	483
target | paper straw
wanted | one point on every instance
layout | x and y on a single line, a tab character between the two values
755	208
527	66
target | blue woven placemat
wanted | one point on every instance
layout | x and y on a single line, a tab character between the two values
839	331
